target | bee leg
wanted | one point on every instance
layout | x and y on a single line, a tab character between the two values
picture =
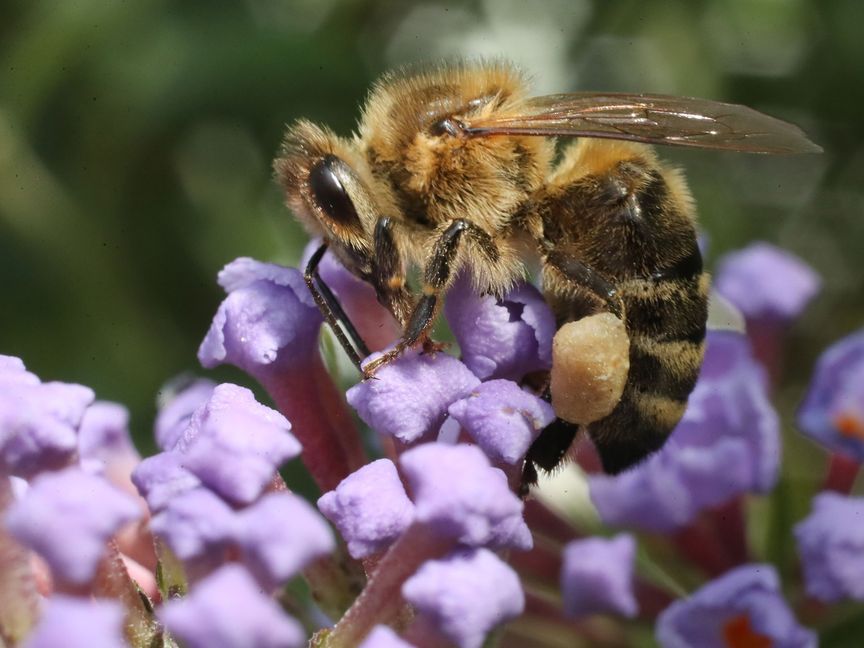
547	451
435	277
584	276
332	311
389	273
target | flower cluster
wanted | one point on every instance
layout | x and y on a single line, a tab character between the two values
429	543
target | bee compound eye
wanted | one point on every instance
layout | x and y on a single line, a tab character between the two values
329	192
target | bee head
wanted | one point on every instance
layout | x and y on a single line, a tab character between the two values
322	177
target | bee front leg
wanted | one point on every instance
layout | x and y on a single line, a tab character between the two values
332	311
436	276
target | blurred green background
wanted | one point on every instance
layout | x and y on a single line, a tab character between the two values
136	140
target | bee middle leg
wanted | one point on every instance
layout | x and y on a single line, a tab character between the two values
436	276
389	273
575	272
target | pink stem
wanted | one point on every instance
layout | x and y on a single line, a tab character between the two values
731	528
19	602
381	600
320	420
113	581
699	544
841	475
652	599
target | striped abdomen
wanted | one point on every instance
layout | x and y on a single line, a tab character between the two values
665	318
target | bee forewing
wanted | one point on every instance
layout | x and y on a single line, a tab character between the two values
653	119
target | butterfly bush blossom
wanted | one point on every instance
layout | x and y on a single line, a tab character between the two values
419	536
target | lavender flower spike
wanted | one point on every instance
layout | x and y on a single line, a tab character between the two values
505	338
465	595
161	478
476	508
228	610
459	499
268	309
268	326
67	517
279	535
177	403
234	444
409	398
597	576
370	508
833	410
74	622
197	525
831	544
744	607
766	283
503	419
38	421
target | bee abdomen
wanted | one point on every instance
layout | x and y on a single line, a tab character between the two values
666	325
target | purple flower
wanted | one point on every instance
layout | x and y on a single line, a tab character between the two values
279	535
505	338
234	444
744	607
161	478
502	418
228	610
458	494
79	623
831	544
727	443
384	637
268	317
268	326
833	410
104	443
597	576
176	406
38	421
13	371
369	507
196	525
766	283
466	594
408	399
67	517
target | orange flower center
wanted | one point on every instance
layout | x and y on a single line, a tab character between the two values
850	425
737	633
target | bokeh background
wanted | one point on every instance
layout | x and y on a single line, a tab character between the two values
136	141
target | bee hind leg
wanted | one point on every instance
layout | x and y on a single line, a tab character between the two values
547	452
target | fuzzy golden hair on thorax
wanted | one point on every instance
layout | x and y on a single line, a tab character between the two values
436	177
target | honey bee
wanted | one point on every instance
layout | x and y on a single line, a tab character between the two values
456	167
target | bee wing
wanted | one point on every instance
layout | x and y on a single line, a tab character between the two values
653	119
